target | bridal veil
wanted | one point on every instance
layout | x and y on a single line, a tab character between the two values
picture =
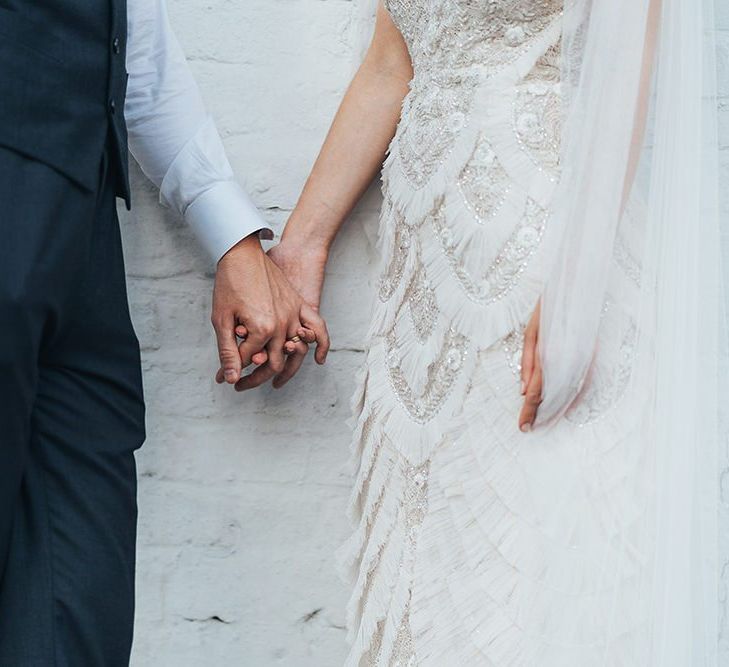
629	64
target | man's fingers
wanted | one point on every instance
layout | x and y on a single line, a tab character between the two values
313	321
259	358
241	331
230	362
293	363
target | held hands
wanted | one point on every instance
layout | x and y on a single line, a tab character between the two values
531	373
270	303
254	301
303	266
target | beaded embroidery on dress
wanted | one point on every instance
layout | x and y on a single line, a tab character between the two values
454	559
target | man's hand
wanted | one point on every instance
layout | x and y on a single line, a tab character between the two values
531	373
251	291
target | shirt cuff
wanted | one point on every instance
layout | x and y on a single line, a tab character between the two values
224	215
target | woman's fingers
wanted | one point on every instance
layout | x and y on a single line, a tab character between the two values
528	356
311	320
532	398
529	353
283	359
294	360
296	352
307	335
531	373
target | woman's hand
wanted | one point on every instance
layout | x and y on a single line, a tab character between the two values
531	373
303	267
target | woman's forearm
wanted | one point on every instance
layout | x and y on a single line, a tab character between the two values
357	141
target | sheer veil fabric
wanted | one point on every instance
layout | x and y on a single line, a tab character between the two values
626	63
681	358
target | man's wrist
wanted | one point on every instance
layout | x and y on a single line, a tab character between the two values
250	246
223	215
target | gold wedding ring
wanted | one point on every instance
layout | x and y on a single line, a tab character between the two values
295	339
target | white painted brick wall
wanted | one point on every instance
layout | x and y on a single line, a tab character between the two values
242	497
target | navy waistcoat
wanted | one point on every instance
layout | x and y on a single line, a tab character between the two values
63	83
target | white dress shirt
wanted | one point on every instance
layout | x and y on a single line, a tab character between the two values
174	139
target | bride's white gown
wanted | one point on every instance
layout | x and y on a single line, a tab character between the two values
476	544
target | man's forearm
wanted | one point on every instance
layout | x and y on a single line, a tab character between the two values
174	138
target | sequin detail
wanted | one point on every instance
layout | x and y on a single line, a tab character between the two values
404	651
537	114
434	114
401	248
513	348
416	498
483	182
503	273
441	376
415	507
453	44
466	33
423	306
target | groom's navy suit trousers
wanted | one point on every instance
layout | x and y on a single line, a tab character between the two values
71	407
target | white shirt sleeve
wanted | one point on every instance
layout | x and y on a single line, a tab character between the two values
174	139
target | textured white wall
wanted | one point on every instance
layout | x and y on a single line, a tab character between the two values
242	497
722	21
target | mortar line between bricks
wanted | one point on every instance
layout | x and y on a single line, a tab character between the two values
251	482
